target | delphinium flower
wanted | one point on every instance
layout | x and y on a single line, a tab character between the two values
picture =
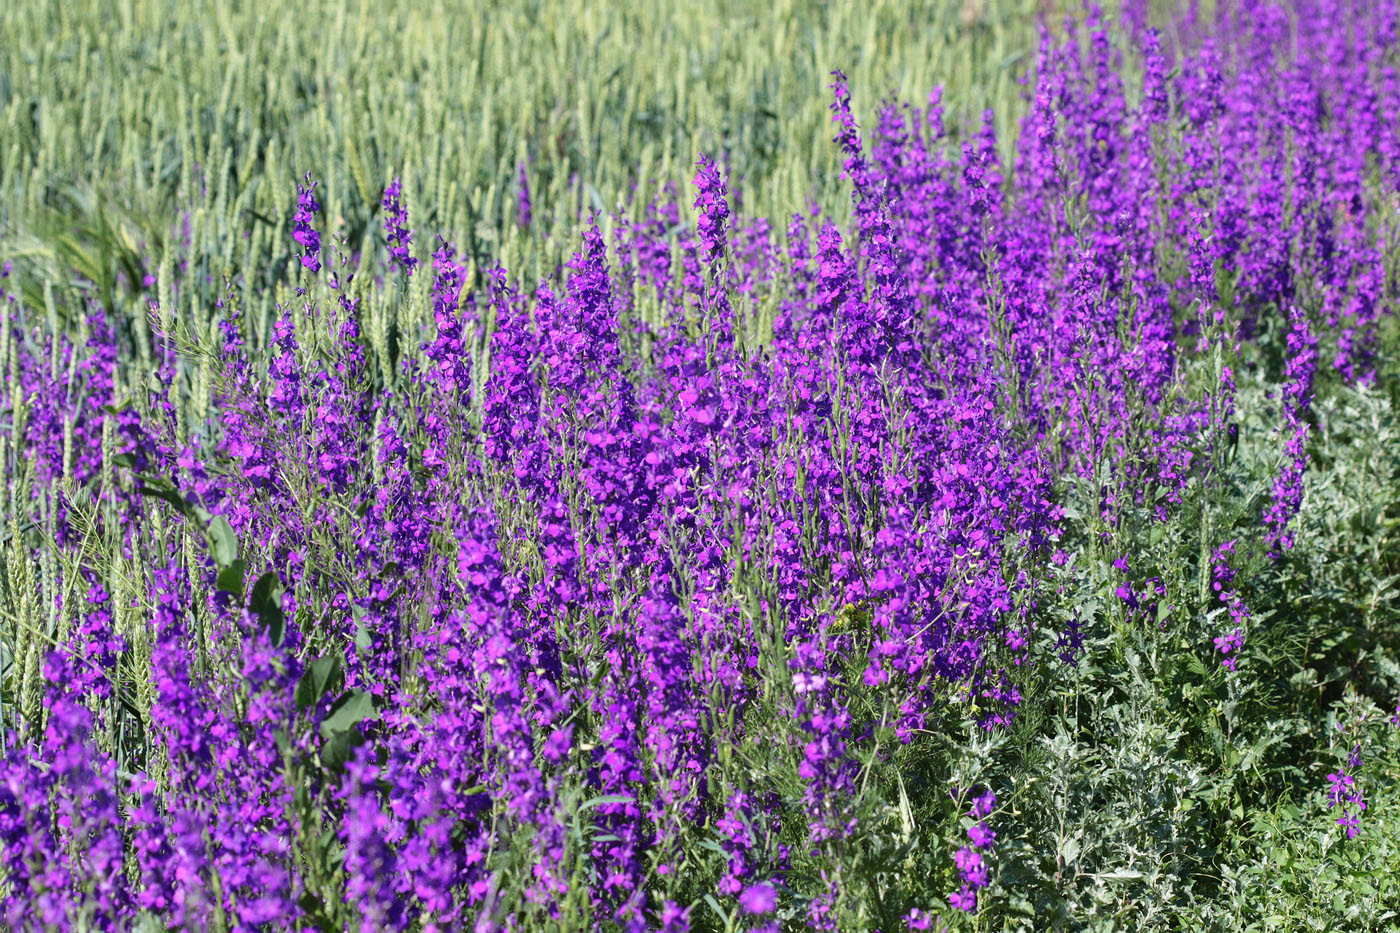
1070	642
593	407
255	446
61	838
370	859
826	767
918	919
186	723
755	269
673	918
1201	96
1287	495
713	207
759	899
617	762
902	161
396	229
93	647
969	859
1344	791
675	742
302	230
166	850
737	838
711	201
892	450
448	354
893	319
1223	575
336	445
433	757
66	396
1039	166
511	404
688	283
1105	119
250	838
856	168
650	248
517	781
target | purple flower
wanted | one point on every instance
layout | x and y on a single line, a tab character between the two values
396	229
1344	791
302	231
964	899
759	899
713	206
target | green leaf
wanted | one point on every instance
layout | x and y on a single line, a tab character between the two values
266	603
338	733
714	905
230	579
362	639
1122	874
223	541
352	707
266	594
161	489
319	678
336	750
276	624
1069	849
606	798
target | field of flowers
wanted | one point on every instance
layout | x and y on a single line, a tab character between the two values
561	466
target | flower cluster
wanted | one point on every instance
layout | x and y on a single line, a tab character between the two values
1222	576
396	230
1344	791
1287	497
302	230
971	864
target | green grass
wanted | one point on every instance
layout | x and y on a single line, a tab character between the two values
121	118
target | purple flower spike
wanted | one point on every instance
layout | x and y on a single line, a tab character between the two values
302	231
1344	791
713	207
396	229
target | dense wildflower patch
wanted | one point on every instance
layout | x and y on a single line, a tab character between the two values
650	592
